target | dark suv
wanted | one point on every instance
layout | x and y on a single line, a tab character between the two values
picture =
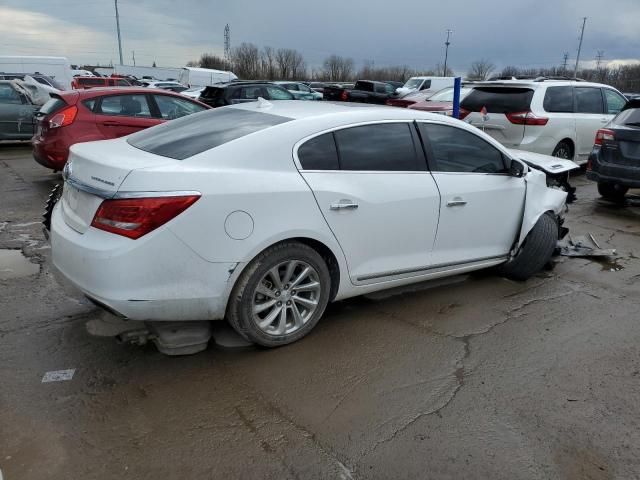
615	159
241	92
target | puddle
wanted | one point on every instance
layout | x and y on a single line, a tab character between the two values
13	264
608	264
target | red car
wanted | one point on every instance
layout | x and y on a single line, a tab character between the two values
441	102
79	116
407	100
79	83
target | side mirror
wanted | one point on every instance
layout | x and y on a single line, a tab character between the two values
516	169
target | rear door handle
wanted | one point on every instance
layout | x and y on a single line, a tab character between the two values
112	124
456	202
344	205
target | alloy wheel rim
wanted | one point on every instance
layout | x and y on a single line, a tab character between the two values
562	153
286	298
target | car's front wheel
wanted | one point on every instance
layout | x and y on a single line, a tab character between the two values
535	251
281	295
611	191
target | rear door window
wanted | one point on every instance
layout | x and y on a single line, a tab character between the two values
379	147
459	151
558	100
91	81
193	134
319	153
125	105
614	100
498	100
588	100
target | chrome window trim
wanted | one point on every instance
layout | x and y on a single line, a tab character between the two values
107	194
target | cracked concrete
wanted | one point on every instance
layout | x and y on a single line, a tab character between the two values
470	377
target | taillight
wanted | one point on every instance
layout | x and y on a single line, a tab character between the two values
605	135
463	113
64	117
135	217
344	96
526	118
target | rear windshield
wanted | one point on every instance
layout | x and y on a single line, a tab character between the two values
211	92
498	100
193	134
53	105
629	117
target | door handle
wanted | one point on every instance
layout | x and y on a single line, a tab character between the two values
344	205
111	124
456	203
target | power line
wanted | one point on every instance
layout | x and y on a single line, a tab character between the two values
599	59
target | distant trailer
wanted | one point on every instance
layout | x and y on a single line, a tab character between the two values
58	68
203	77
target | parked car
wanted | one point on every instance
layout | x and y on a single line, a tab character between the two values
101	113
419	84
615	159
365	91
317	86
193	92
337	91
299	90
57	68
16	112
166	85
242	91
267	242
95	82
38	77
410	99
553	117
440	102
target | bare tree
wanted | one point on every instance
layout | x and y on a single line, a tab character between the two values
480	69
337	68
510	71
246	60
290	64
268	63
210	60
440	72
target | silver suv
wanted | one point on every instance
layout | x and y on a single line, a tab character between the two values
548	116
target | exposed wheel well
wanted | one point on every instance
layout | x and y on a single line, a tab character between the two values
571	144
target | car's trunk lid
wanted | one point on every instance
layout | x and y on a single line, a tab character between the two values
94	172
625	150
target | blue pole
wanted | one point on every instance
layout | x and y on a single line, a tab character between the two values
457	84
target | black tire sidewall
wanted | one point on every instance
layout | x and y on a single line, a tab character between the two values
241	310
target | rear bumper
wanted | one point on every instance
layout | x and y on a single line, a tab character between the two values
624	175
50	154
156	277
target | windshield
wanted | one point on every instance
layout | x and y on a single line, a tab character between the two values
413	83
446	94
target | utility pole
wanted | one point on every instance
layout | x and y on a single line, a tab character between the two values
118	27
227	46
584	22
133	54
446	52
565	60
599	59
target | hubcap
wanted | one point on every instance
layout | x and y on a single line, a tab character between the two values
286	298
562	153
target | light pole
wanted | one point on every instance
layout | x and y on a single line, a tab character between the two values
118	27
446	52
575	70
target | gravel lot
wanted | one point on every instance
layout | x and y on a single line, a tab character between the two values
475	377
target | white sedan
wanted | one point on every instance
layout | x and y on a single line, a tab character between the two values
263	213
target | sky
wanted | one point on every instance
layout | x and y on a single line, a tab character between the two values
522	33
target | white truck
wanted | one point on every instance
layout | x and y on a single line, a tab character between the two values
425	85
57	68
203	77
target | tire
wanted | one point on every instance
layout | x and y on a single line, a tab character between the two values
54	196
611	191
536	250
257	295
563	150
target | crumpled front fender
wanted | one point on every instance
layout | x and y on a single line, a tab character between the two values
539	199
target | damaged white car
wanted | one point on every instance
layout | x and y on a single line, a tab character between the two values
20	100
263	213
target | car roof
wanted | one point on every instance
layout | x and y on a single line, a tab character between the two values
360	112
538	83
99	91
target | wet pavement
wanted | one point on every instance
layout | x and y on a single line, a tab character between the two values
473	377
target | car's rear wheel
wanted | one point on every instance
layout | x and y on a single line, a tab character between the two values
612	191
563	150
536	250
281	295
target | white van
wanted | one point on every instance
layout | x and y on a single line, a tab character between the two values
204	77
57	68
425	84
